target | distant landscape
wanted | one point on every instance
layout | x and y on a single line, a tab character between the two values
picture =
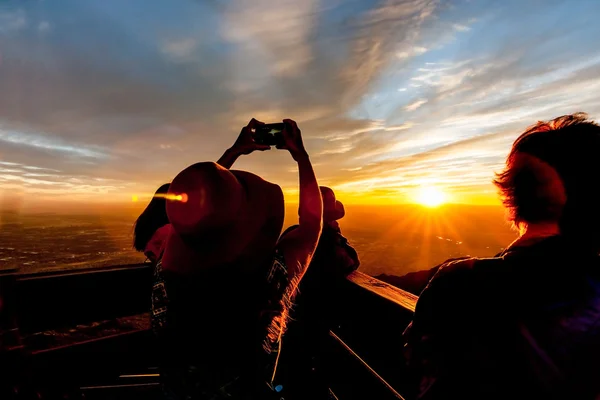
389	239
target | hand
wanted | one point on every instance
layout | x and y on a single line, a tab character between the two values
292	140
245	143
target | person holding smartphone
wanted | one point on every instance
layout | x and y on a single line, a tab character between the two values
228	280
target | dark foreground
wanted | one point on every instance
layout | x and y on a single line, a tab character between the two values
86	334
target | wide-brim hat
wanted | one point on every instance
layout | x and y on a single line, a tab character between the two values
219	216
333	209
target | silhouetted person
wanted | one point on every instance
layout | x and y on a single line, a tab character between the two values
152	227
334	254
524	324
228	280
307	338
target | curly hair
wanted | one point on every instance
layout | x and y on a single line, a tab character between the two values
570	144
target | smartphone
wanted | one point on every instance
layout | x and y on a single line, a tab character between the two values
269	134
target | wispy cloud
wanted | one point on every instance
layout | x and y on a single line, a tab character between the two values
180	49
12	20
415	51
274	35
461	27
412	106
42	142
44	26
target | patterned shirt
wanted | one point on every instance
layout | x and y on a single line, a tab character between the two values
190	381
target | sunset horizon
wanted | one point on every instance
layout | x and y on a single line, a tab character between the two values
66	207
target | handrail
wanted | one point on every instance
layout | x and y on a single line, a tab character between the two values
404	299
78	271
391	293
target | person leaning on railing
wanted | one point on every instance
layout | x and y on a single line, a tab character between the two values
526	323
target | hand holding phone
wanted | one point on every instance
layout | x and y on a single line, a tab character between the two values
245	143
269	134
292	140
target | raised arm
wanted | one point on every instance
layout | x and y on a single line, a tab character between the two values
299	245
243	145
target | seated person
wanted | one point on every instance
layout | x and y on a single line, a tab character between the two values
526	323
228	281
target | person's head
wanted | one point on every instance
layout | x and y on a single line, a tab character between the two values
151	219
551	176
333	209
221	218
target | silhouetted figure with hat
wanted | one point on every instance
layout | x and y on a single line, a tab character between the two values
226	279
526	323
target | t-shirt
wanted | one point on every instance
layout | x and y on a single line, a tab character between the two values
525	324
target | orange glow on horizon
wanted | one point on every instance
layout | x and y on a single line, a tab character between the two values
477	196
474	196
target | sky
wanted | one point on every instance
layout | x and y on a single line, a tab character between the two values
101	101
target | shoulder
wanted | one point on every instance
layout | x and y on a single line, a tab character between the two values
453	270
467	268
463	281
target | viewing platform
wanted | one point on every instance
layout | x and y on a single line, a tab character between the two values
86	334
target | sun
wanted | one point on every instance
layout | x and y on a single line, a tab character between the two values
430	196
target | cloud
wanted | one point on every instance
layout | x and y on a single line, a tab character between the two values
41	142
180	49
274	35
57	183
414	51
12	20
400	127
461	27
412	106
392	28
44	26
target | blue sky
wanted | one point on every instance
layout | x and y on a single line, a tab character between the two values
100	100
